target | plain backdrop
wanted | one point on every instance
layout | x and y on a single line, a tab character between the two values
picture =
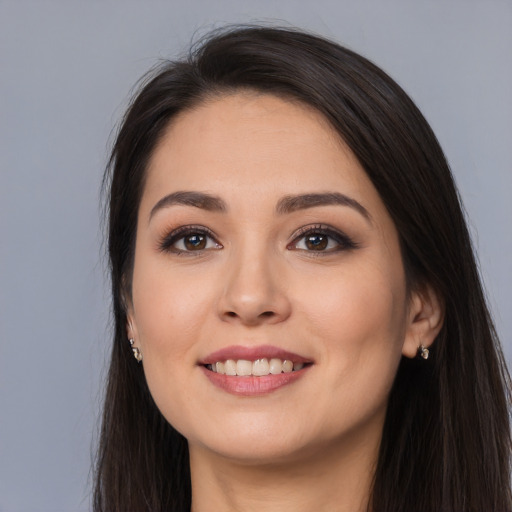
66	71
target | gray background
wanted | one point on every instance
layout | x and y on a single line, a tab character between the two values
66	69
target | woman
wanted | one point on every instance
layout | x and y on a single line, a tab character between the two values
293	274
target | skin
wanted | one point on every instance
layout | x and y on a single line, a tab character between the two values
311	445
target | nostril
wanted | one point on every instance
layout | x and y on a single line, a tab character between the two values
267	313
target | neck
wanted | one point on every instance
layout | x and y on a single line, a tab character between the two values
328	479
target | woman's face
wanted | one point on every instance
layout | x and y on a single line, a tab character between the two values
261	240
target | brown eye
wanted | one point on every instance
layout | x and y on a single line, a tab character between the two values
189	239
194	242
316	242
322	240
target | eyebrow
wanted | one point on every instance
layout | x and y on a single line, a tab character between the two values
287	204
186	198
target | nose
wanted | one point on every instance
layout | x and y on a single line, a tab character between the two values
255	291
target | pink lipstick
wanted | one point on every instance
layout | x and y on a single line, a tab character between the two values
252	353
252	371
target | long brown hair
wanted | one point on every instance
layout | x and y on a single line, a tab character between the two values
446	440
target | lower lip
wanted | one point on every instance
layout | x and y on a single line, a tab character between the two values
253	386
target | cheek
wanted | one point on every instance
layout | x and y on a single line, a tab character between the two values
170	309
357	321
169	315
358	317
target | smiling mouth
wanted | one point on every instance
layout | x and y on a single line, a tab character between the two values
257	368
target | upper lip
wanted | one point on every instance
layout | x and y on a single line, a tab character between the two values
252	353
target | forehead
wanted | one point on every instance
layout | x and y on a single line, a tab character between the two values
255	146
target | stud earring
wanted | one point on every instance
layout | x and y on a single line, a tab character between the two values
423	352
136	351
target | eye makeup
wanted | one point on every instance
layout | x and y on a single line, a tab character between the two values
188	240
317	239
321	239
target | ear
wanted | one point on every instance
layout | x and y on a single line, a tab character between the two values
131	325
425	319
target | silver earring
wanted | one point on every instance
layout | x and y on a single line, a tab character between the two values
423	351
136	351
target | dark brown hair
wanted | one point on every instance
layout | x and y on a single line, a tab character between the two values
446	440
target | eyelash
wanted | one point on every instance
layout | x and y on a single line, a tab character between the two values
168	241
342	240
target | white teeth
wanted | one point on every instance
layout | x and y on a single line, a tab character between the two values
230	367
287	366
276	366
258	368
243	367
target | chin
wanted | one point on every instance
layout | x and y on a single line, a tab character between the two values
252	453
260	443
